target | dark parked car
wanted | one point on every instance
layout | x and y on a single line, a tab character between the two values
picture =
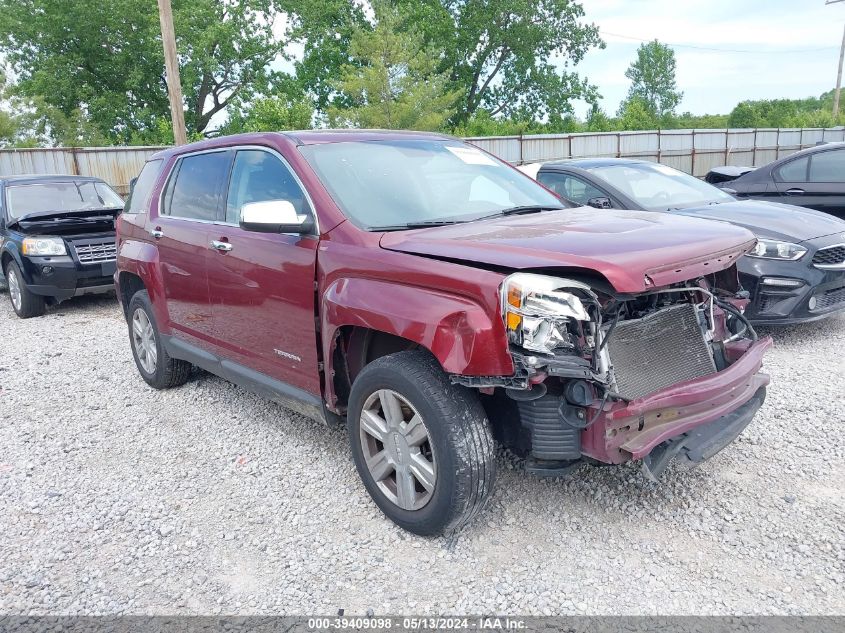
813	178
432	295
795	274
56	239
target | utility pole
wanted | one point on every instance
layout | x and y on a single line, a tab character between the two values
171	63
839	72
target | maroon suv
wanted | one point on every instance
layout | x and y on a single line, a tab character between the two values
435	298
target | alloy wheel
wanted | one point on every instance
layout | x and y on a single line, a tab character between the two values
14	289
398	449
144	341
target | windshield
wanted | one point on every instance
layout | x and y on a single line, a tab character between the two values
394	183
660	188
51	197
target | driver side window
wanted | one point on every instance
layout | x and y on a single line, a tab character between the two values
570	187
259	176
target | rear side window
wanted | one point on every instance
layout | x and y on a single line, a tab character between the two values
570	187
828	167
193	191
139	197
795	171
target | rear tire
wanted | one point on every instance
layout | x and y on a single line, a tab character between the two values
422	445
25	303
156	367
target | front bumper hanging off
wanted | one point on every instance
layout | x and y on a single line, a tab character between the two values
703	415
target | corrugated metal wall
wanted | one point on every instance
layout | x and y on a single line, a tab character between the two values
116	165
692	151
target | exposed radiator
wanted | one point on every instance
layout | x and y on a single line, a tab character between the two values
659	350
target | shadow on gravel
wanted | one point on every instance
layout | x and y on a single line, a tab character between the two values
84	303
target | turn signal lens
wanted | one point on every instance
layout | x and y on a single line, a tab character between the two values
513	321
515	296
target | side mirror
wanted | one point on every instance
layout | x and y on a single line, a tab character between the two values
132	184
274	216
600	203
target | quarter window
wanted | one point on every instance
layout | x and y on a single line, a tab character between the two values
795	171
194	188
259	176
139	197
828	167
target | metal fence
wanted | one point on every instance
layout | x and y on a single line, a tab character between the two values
116	165
692	151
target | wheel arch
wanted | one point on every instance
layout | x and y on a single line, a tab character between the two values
371	318
127	285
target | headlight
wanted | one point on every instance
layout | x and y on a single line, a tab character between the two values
44	246
774	249
537	309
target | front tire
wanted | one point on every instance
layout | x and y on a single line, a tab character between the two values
155	365
25	303
422	446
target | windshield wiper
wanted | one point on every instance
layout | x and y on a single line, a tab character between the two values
522	209
414	225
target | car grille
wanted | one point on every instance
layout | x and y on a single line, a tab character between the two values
659	350
830	298
96	252
830	256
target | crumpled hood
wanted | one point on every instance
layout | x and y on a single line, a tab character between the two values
634	250
771	219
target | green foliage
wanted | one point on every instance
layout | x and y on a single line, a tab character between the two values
324	28
497	53
636	114
271	114
598	121
392	81
810	112
103	62
500	52
652	78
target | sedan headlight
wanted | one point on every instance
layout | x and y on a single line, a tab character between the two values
775	249
537	309
44	246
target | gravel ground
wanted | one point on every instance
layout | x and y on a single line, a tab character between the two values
115	498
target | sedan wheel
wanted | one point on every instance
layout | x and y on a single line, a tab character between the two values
397	449
144	341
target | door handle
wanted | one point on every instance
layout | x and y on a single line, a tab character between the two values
157	233
794	191
223	247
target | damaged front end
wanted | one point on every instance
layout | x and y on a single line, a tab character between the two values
672	372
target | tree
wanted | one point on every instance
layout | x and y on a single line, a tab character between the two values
597	120
636	114
270	114
744	115
324	28
652	78
510	55
103	60
391	81
505	56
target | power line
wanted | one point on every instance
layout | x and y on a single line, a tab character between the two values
725	50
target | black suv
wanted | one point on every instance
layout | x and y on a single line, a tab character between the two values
56	239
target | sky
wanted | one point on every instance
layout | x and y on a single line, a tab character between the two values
789	48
